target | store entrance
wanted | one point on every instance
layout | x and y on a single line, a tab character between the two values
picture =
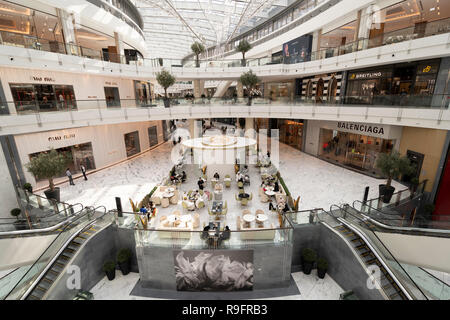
353	150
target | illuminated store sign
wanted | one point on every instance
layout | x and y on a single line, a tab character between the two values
42	79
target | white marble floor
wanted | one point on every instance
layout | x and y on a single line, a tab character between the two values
318	183
310	287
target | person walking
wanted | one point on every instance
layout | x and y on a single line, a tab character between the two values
83	170
69	175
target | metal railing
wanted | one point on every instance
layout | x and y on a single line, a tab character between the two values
36	270
435	101
401	35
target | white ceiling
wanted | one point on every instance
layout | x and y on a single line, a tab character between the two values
171	26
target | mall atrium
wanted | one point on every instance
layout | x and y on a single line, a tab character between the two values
224	150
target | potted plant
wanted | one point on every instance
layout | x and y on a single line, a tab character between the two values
110	269
27	186
48	165
197	48
391	166
309	256
123	259
249	80
322	267
165	79
242	47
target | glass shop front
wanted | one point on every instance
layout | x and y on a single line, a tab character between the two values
355	150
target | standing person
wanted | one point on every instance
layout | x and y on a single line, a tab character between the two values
83	170
69	175
200	183
179	139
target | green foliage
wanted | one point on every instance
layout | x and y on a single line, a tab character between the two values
123	255
242	47
15	212
27	186
322	264
153	191
134	206
109	266
309	255
48	165
165	80
249	80
415	181
280	179
197	48
392	165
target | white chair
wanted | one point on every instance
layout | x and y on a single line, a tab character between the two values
165	202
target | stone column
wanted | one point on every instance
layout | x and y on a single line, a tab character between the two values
199	87
239	90
250	128
119	46
66	20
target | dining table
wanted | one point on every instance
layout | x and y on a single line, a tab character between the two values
260	219
248	219
217	207
244	195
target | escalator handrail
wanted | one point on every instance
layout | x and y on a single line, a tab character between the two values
382	225
54	240
70	219
384	246
63	247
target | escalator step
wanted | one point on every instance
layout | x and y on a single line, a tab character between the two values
371	261
53	271
361	246
47	279
41	288
59	264
64	257
32	297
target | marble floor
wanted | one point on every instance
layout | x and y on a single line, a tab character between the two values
318	183
310	287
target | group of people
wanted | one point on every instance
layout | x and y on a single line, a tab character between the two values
69	174
149	210
224	235
177	177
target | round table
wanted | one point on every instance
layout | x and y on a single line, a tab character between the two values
186	218
261	218
168	194
244	195
170	190
248	218
270	192
172	218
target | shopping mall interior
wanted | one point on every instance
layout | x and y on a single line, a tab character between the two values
225	150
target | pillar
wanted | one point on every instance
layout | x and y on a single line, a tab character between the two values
239	90
199	87
119	46
250	128
66	20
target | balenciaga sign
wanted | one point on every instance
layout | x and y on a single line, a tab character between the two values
364	128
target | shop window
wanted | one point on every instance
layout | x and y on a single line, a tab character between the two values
41	98
112	97
338	37
153	136
79	154
142	92
309	90
132	145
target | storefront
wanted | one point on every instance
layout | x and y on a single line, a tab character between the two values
143	93
399	84
279	91
95	146
354	145
323	88
291	132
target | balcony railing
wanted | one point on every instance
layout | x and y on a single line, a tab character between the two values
31	42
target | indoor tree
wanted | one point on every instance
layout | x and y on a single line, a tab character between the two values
392	165
165	79
48	165
243	47
249	80
197	48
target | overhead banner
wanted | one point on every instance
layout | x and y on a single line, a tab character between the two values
298	50
213	270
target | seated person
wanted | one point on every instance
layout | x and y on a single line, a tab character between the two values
216	176
143	209
183	176
225	235
271	206
205	233
276	187
200	183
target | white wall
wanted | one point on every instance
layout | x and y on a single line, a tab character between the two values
16	252
427	252
313	133
108	142
88	88
7	195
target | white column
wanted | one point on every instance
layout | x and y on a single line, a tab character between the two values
66	20
119	45
239	90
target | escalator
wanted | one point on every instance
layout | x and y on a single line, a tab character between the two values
373	255
38	279
388	285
